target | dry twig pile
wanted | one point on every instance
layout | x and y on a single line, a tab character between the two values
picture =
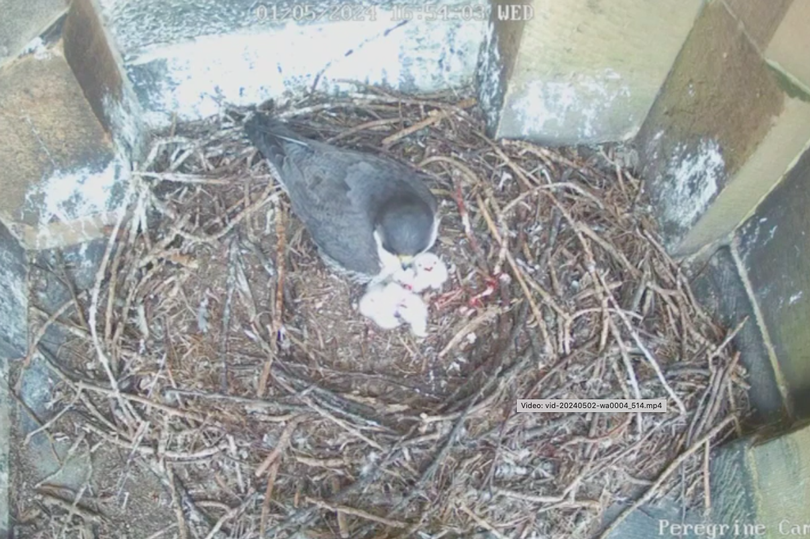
233	366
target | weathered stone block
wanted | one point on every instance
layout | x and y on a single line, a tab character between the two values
760	19
21	22
13	344
763	482
776	153
722	291
584	70
14	299
98	68
789	49
61	176
713	112
774	246
189	59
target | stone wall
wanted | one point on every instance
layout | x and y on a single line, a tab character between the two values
722	156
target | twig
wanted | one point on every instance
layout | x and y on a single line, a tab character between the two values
87	514
707	491
358	513
230	287
647	354
669	470
185	178
277	324
518	273
469	327
481	522
94	303
40	334
433	117
268	496
230	515
54	419
180	515
281	445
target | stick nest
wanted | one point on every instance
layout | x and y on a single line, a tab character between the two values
229	362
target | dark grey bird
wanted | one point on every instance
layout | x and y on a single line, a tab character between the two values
368	215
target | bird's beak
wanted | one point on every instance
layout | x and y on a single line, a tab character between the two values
405	260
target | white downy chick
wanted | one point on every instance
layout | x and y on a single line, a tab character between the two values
414	311
430	271
379	303
406	277
388	305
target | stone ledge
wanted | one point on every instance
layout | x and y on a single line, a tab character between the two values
13	345
23	21
758	481
776	154
774	246
788	49
60	165
759	19
584	72
98	68
714	111
188	62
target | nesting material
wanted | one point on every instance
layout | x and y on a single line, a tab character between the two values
217	353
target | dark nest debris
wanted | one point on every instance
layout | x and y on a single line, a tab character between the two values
217	352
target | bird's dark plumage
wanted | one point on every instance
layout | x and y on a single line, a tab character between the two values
341	196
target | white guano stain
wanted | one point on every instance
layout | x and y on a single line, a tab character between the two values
14	300
550	106
691	182
198	77
74	194
489	72
38	48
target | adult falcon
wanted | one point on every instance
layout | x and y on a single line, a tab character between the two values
369	216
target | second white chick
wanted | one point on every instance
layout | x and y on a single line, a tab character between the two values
379	303
414	311
428	271
388	305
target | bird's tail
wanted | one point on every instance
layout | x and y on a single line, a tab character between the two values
270	136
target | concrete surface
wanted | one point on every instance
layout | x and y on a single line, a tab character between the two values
760	19
722	291
13	345
22	22
98	68
758	482
788	49
496	65
774	246
713	112
187	60
776	154
48	292
584	71
61	175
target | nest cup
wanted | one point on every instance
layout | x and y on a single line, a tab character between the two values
217	342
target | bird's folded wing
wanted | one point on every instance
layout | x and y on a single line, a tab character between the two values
328	207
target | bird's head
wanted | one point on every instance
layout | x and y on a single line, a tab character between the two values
404	227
